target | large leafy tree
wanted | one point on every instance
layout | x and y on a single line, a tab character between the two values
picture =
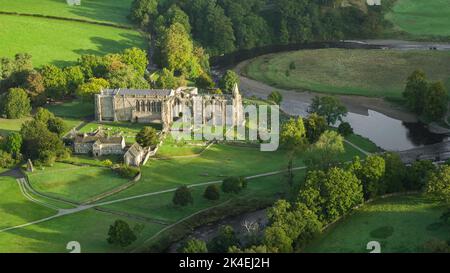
182	197
315	126
324	153
331	194
16	103
436	101
147	137
371	172
54	81
415	91
93	86
229	81
329	107
224	240
194	246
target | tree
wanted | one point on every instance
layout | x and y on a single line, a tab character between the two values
315	126
329	107
204	81
293	135
13	144
54	81
74	78
212	192
371	172
87	90
345	129
299	223
395	173
147	137
194	246
417	174
438	184
40	144
182	197
136	58
276	97
142	11
436	101
57	125
331	194
229	81
16	103
167	80
323	154
43	115
121	234
276	239
415	90
233	184
224	240
6	160
34	85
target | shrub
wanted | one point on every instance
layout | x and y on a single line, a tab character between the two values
107	163
345	129
6	160
212	192
182	196
16	103
147	137
126	171
194	246
233	185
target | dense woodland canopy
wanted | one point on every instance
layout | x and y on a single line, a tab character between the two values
224	26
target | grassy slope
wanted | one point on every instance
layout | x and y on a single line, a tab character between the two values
89	228
411	219
8	126
109	11
375	73
61	42
421	18
15	209
74	182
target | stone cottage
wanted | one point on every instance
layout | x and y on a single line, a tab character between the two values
135	155
98	144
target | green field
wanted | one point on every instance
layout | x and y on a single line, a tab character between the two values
61	42
421	18
401	224
374	73
15	209
75	183
73	109
89	228
107	11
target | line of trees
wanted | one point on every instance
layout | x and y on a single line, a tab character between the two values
223	26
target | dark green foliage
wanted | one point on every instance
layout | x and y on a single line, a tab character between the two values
371	172
147	137
395	175
212	192
233	184
331	194
223	241
315	126
182	197
6	160
13	144
436	102
276	97
415	91
345	129
16	104
329	107
121	234
128	172
228	81
417	174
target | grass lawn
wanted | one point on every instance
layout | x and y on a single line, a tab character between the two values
374	73
172	148
76	109
61	42
15	209
126	129
400	224
363	143
110	11
421	18
8	126
218	162
89	228
161	208
74	183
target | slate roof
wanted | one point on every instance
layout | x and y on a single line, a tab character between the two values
135	150
137	92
